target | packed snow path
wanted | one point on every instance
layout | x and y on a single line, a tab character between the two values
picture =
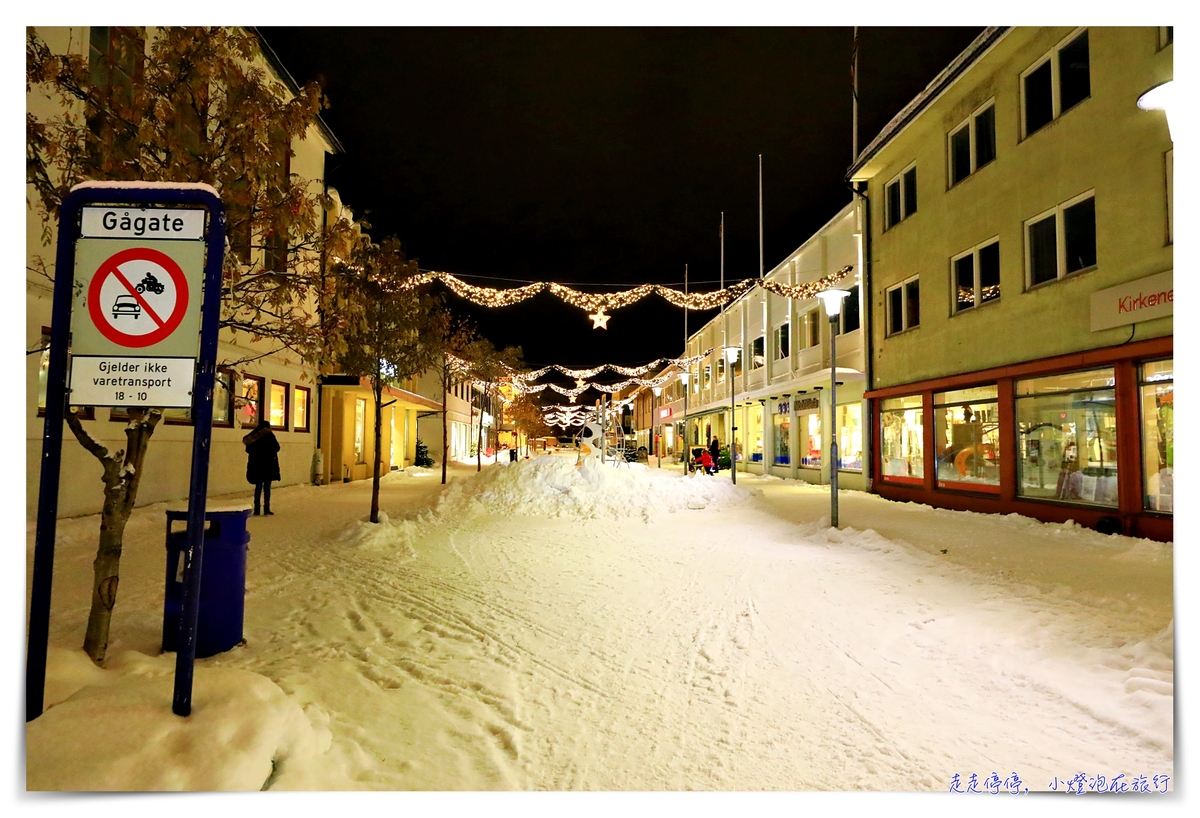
546	627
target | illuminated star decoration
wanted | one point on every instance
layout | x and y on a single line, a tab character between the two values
599	319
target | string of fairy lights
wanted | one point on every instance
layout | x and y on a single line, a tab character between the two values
602	303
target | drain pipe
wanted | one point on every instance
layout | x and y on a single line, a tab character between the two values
864	243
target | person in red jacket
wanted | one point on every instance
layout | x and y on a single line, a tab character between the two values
706	462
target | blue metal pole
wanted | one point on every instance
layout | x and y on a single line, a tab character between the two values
185	646
56	406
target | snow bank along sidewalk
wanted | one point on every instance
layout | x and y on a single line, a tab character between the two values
546	626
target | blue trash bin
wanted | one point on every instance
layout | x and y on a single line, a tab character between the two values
222	581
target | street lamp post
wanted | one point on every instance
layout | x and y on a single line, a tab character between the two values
683	378
832	299
657	425
731	355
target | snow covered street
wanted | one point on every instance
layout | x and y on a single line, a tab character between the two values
547	627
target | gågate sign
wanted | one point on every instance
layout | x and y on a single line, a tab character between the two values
137	300
136	315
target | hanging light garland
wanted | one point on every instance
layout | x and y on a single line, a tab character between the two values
628	371
601	303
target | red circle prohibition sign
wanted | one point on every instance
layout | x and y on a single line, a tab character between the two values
165	325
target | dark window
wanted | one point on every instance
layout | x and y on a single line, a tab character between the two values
964	282
910	192
912	294
1169	35
893	203
896	310
1074	78
1043	251
115	56
1039	98
960	155
1079	229
985	137
850	320
989	272
756	353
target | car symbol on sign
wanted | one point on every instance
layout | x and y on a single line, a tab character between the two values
126	305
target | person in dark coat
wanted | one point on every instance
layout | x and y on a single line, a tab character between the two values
714	451
262	463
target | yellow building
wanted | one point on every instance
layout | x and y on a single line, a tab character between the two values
1020	276
276	386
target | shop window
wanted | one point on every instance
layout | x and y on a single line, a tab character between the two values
849	432
1158	435
279	405
810	430
904	306
966	429
360	430
1056	83
782	342
902	433
848	319
751	448
89	412
1061	241
782	437
758	352
1067	438
973	144
222	412
250	404
976	276
900	196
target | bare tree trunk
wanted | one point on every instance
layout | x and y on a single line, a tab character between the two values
122	478
445	405
377	389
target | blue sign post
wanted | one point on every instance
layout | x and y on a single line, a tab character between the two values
124	216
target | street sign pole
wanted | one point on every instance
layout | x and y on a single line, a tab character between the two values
70	231
202	394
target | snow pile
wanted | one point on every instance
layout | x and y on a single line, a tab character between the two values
244	732
554	486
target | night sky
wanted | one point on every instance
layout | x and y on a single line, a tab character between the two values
601	157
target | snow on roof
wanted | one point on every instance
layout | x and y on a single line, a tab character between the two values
151	185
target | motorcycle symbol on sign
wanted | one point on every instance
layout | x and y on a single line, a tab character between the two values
152	284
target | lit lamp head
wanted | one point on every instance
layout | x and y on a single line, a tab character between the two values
657	391
731	354
832	299
683	378
1159	98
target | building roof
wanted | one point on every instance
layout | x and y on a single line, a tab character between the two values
969	56
277	65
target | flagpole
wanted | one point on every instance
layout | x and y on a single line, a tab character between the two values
854	96
760	219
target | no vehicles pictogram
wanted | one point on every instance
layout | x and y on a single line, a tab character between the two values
137	297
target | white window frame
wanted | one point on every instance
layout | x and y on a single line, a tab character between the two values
1060	240
974	253
899	180
1055	81
775	350
968	123
887	307
721	369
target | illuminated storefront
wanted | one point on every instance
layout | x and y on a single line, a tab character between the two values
1045	439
